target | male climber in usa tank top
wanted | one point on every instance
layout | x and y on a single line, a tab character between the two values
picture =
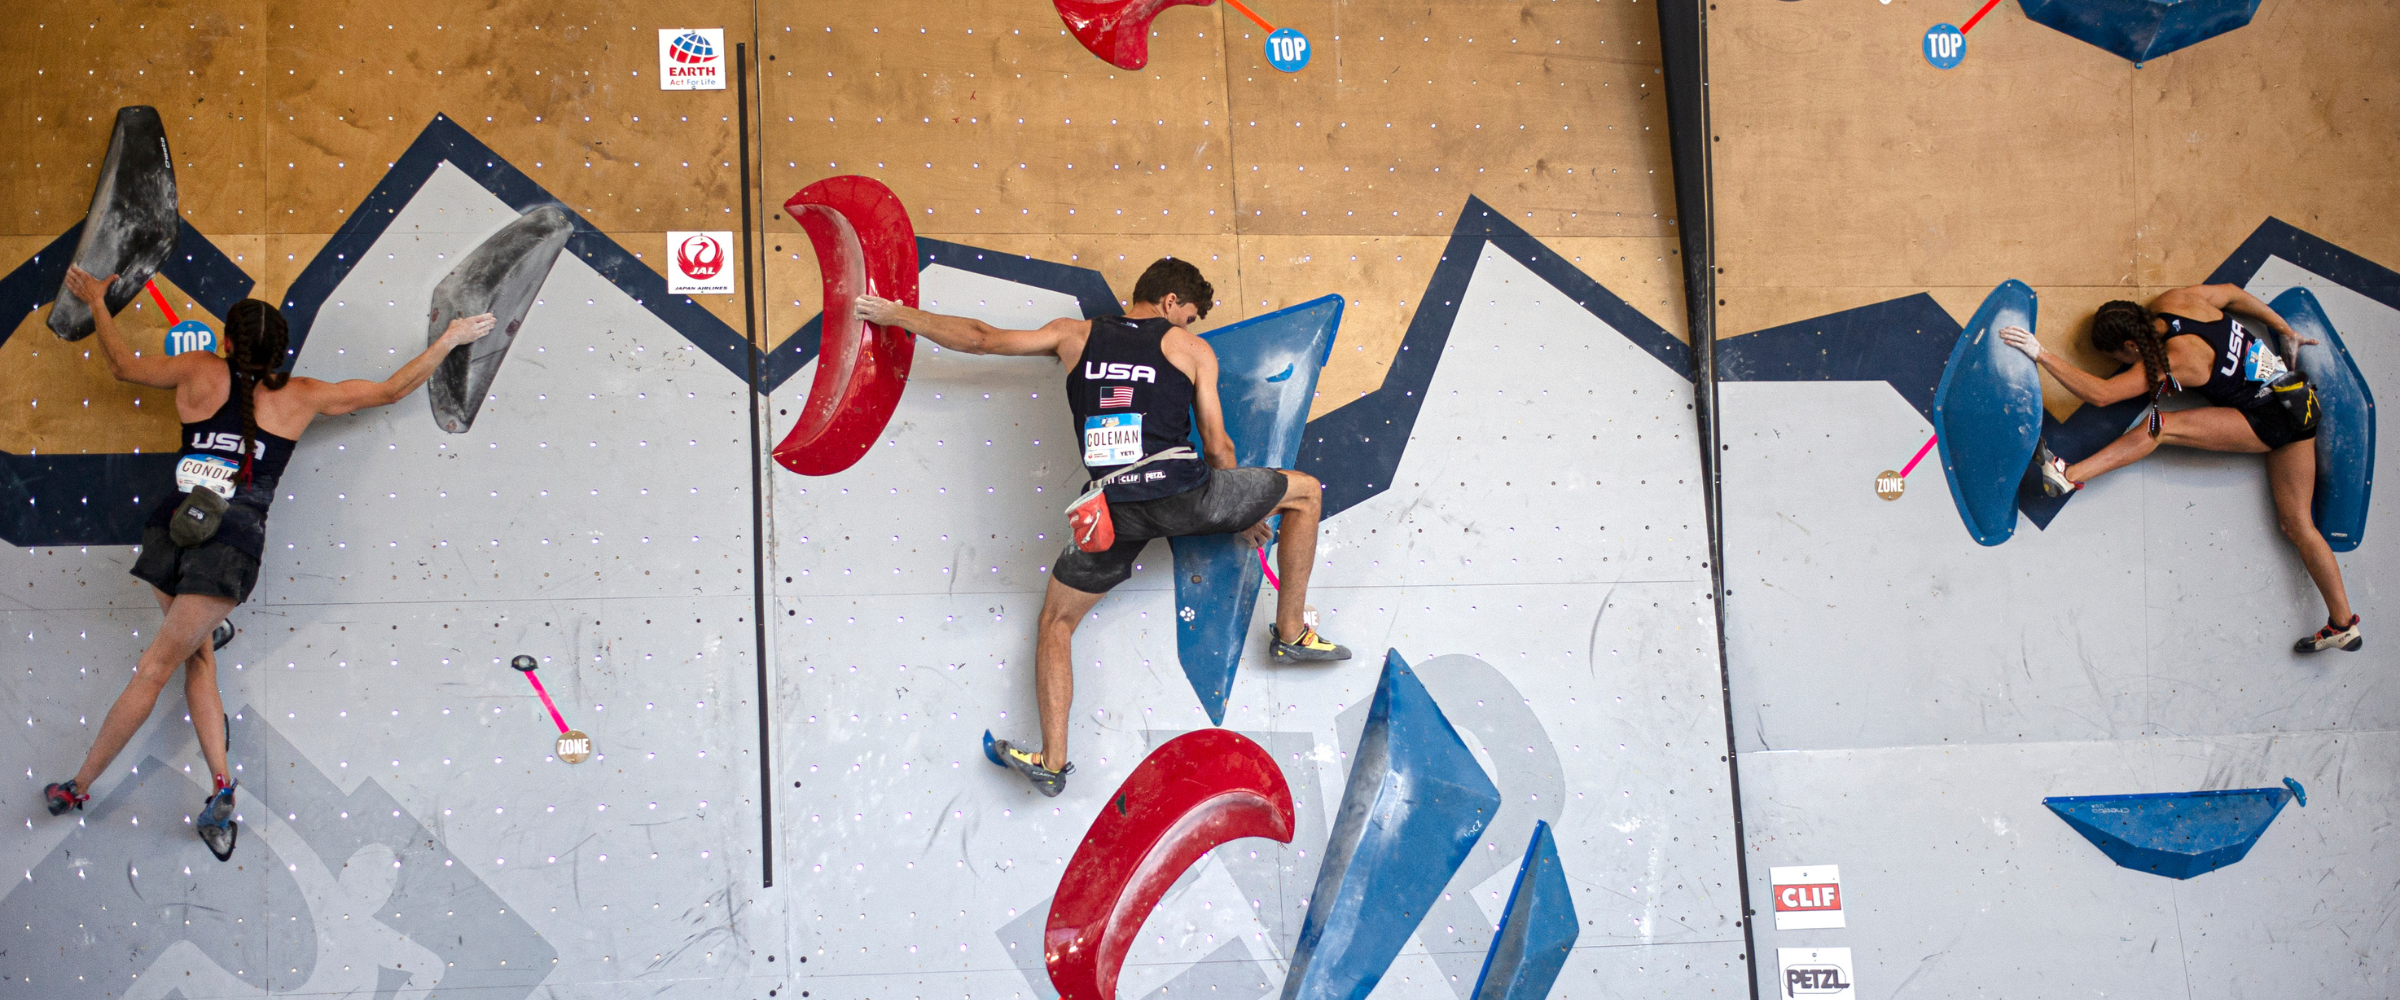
207	528
1136	384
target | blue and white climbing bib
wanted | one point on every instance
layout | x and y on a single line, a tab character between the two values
2260	363
1112	439
215	474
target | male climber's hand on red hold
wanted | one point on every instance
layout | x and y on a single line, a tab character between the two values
876	310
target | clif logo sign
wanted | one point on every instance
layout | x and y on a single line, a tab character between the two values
691	59
700	263
1822	973
1807	897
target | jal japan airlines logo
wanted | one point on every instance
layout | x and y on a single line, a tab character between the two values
691	59
700	263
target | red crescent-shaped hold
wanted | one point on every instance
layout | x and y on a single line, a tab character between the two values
1118	31
1196	791
864	245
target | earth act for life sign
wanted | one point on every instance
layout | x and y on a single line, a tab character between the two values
700	263
691	59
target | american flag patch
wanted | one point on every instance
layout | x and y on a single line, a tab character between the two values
1116	396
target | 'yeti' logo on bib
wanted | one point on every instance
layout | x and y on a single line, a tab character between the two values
1119	371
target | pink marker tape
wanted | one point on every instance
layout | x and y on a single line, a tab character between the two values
1912	463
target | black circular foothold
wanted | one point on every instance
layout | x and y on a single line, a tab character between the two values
523	662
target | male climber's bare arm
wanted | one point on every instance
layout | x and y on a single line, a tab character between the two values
972	336
1215	444
2086	386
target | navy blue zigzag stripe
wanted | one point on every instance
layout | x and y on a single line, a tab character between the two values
1356	450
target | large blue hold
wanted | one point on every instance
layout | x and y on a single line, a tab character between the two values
2175	834
1416	803
1987	414
2345	422
2142	30
1536	930
1266	377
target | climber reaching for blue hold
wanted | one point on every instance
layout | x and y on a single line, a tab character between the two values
1134	385
2190	339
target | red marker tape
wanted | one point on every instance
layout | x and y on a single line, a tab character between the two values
172	319
1912	463
1987	8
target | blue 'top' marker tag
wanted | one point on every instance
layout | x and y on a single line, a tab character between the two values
191	335
1945	46
1287	50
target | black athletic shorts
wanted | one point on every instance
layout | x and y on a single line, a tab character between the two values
212	569
1229	500
2289	413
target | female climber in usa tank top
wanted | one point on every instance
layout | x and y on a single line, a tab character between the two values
201	545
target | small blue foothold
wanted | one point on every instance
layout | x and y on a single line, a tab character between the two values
992	752
2299	794
1278	377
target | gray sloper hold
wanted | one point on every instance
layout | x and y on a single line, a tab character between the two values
500	277
131	227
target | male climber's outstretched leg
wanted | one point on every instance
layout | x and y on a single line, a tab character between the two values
1296	552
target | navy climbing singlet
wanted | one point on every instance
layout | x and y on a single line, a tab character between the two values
1130	402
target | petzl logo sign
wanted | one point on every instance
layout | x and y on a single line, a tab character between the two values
700	263
1807	896
1814	972
691	59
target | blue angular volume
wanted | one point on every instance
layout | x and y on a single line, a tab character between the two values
1416	803
1266	377
2175	834
1987	414
1536	930
2142	30
2345	421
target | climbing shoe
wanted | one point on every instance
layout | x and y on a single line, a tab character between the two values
2051	472
1045	780
223	634
2332	636
215	823
63	796
1309	648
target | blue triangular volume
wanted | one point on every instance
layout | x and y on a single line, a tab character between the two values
2141	30
2175	834
1987	414
1266	378
1536	930
1415	804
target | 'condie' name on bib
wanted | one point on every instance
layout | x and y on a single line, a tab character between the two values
1114	439
206	471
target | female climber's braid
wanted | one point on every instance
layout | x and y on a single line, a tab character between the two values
256	338
2121	322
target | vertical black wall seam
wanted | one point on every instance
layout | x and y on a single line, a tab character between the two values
1683	44
758	498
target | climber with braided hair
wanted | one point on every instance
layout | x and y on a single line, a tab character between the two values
2190	340
204	538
